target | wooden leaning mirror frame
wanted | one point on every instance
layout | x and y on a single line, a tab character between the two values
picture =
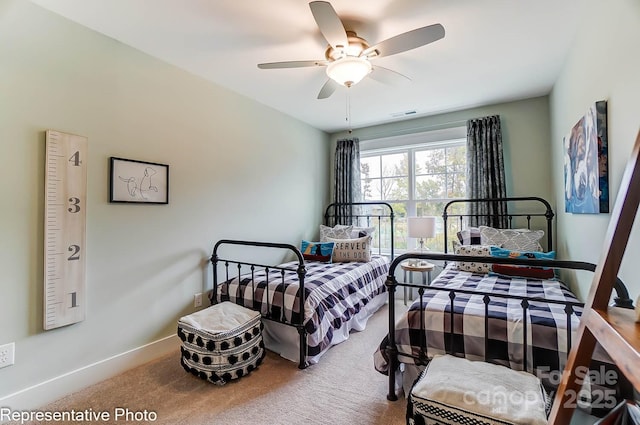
612	327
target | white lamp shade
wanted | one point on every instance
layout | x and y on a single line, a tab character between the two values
348	70
421	227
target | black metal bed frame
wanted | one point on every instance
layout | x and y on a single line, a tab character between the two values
622	299
548	214
334	212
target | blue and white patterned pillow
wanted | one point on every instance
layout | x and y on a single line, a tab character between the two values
523	271
523	255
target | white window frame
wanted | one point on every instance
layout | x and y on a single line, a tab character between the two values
410	143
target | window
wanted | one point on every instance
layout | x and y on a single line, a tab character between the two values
416	179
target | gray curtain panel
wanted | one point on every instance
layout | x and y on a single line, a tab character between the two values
347	178
485	172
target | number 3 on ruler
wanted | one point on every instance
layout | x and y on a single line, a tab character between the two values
65	229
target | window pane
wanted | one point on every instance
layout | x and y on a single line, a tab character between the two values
453	224
431	186
457	159
394	189
430	161
458	208
382	235
395	165
430	208
438	174
400	226
457	185
370	189
370	166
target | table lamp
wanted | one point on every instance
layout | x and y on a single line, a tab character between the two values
421	228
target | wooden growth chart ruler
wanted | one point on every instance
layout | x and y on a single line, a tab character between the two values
64	229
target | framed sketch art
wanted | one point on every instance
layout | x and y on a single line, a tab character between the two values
586	174
134	181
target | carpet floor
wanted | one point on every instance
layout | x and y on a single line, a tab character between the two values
343	388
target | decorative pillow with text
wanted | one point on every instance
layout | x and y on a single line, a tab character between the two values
351	250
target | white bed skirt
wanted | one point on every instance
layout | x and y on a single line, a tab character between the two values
285	340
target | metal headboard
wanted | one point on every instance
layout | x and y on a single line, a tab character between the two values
548	214
355	216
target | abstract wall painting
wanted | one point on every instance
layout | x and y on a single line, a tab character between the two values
586	174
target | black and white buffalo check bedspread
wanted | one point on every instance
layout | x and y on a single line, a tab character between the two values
334	294
546	323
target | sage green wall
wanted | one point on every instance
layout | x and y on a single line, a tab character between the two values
525	135
604	64
238	170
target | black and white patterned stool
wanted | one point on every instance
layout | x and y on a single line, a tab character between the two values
452	390
221	342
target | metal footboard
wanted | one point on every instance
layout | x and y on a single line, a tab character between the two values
297	319
621	300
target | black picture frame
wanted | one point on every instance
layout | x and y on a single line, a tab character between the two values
138	182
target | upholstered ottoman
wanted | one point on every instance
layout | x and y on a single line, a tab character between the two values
452	390
221	342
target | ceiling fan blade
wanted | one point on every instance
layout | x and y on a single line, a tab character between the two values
407	41
292	64
388	76
329	23
327	89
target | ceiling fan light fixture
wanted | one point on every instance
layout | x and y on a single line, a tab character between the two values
348	70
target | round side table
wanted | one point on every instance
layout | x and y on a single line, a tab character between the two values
423	267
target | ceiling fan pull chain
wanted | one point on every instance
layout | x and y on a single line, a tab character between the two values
349	110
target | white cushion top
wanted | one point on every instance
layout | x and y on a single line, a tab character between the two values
484	388
219	318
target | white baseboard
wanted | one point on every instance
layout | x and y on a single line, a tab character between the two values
52	389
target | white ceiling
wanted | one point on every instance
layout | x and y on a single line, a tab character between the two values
493	50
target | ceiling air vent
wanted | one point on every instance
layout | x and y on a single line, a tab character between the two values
403	114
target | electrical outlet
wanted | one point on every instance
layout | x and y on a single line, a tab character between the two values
197	300
7	354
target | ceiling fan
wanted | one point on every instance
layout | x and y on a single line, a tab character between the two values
348	57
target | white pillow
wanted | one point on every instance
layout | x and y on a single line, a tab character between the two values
339	231
512	239
359	232
469	236
348	250
475	251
